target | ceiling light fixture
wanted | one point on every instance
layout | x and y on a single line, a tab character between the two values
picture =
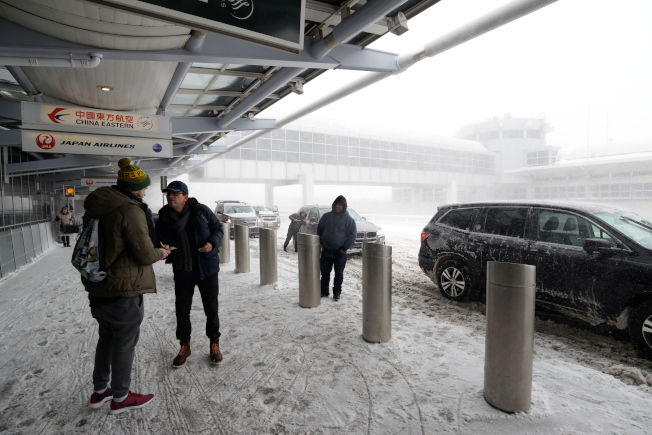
105	88
204	147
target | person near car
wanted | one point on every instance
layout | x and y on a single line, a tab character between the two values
117	302
337	233
196	234
64	217
296	220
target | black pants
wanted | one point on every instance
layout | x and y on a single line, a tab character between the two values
66	240
292	235
332	260
184	291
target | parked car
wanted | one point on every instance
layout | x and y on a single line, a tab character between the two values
367	231
238	213
269	219
594	262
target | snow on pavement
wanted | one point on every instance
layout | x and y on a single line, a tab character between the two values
294	370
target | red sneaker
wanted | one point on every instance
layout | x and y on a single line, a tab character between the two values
133	401
98	399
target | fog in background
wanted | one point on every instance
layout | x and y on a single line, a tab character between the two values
583	64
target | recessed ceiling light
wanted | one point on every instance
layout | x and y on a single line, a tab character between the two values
105	88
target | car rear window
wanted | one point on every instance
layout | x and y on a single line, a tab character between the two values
504	222
459	218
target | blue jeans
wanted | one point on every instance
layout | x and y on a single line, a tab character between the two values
119	330
332	260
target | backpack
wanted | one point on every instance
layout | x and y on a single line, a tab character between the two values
88	255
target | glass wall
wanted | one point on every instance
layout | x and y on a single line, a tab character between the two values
293	146
27	209
22	198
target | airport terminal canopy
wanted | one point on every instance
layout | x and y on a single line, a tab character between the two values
84	83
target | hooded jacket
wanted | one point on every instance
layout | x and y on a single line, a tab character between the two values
296	226
203	226
337	230
128	249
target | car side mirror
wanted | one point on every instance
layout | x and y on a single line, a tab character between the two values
364	218
595	244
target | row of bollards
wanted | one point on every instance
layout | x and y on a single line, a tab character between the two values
510	307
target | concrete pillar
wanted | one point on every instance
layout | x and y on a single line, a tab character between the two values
269	195
451	193
308	189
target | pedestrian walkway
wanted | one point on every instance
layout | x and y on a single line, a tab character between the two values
286	369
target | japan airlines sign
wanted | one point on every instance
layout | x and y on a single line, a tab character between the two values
71	143
275	23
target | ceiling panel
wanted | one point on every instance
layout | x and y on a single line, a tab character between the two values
137	85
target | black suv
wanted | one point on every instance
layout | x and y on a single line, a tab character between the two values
594	262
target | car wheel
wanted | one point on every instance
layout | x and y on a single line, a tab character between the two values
640	329
454	281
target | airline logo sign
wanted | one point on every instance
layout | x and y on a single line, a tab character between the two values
99	119
95	182
274	23
72	143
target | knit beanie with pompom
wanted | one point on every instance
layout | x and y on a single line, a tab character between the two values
131	176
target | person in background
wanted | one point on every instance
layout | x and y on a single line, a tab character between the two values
296	220
337	233
64	217
196	233
117	301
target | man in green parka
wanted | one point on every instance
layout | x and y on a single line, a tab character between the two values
129	250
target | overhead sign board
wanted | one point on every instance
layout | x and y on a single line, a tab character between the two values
96	182
43	141
275	23
69	191
88	120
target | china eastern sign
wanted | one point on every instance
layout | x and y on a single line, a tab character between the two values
275	23
89	120
56	142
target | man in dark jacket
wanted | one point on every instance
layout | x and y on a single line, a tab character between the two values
116	302
196	234
337	232
296	220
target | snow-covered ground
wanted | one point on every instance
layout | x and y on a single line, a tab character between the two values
295	370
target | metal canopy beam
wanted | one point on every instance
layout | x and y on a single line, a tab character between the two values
19	41
182	125
69	161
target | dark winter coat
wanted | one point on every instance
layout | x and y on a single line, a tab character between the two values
294	225
128	249
203	226
337	231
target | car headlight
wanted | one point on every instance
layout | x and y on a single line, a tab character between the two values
259	220
227	220
379	232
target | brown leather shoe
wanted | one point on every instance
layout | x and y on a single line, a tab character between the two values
184	354
216	355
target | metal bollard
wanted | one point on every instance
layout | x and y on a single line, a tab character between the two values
309	283
241	249
376	292
268	261
509	343
225	249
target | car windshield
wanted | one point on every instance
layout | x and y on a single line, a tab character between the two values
632	225
259	208
238	209
354	215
